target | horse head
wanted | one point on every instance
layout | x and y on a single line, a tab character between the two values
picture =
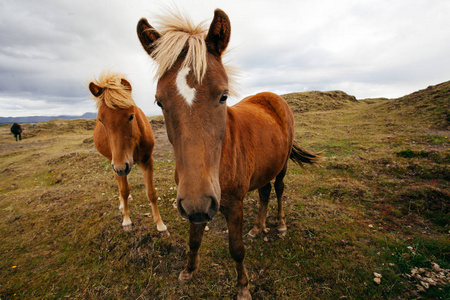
192	91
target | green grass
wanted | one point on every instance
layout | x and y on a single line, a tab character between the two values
382	188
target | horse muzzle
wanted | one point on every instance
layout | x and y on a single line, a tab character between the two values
200	211
122	170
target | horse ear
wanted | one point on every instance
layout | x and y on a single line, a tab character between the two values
147	35
95	89
219	33
126	84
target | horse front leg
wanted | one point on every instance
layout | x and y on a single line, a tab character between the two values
195	240
234	217
124	194
147	169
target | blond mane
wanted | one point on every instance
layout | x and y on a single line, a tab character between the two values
178	33
115	94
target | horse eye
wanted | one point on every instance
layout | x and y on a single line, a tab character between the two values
131	118
224	98
159	104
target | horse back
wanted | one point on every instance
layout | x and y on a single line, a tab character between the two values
269	106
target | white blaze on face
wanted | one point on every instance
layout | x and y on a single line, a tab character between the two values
183	88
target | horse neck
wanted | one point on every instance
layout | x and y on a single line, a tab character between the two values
141	121
232	144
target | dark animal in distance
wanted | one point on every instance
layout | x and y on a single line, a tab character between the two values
16	129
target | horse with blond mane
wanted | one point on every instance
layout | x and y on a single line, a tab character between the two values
221	152
124	136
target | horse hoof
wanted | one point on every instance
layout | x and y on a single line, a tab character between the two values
127	228
282	228
244	295
161	228
282	231
184	277
165	233
253	233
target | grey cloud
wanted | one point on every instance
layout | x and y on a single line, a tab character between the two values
49	50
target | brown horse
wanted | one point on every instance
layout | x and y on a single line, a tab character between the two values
124	136
221	152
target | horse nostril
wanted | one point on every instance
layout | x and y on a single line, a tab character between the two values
181	209
213	208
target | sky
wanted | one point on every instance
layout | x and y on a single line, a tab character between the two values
51	49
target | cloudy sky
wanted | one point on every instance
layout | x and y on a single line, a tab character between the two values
50	49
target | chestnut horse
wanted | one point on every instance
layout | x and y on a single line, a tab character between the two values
221	152
124	136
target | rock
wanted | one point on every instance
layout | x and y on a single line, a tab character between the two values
377	275
431	281
436	267
377	280
424	277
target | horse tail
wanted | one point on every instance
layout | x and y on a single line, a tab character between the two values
302	156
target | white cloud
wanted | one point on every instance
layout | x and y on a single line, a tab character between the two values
49	50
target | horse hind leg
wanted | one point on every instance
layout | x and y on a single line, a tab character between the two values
279	189
260	224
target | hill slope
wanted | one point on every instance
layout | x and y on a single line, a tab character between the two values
430	105
36	119
315	100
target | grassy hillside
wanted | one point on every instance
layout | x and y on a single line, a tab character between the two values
315	100
431	105
378	204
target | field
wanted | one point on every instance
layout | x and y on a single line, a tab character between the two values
379	203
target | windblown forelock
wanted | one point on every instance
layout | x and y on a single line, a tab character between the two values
115	95
179	34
